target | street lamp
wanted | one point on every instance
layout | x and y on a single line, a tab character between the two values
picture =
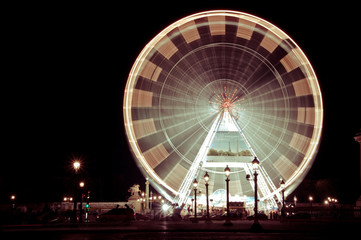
206	179
283	198
310	198
12	198
295	200
195	184
256	227
81	185
227	172
76	167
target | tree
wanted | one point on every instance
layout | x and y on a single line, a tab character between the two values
212	152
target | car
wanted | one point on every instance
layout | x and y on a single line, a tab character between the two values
125	215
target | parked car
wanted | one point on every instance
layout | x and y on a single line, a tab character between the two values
125	215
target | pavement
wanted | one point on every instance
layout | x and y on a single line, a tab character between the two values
294	230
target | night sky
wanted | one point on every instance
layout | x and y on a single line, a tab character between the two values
64	69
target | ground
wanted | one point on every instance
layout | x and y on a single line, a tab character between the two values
186	230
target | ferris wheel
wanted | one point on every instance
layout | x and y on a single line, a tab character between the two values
219	88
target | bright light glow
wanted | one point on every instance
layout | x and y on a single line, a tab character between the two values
227	171
190	110
206	177
165	207
76	165
227	102
195	183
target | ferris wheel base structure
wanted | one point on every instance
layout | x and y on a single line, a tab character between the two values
219	88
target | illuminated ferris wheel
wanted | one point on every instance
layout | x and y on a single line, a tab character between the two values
218	88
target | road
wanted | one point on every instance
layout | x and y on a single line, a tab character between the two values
186	230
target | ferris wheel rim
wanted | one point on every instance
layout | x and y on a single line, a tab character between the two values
149	47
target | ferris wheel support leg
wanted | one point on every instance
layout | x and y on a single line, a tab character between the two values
272	190
265	181
265	184
184	189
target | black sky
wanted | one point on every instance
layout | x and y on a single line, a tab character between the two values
63	76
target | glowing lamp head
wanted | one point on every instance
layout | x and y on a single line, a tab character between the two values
195	183
76	165
255	163
227	171
206	177
165	207
283	185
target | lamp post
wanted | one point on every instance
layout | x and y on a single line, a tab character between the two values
12	198
206	179
310	198
87	207
227	172
195	184
295	200
81	185
76	166
151	201
283	199
147	195
256	227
